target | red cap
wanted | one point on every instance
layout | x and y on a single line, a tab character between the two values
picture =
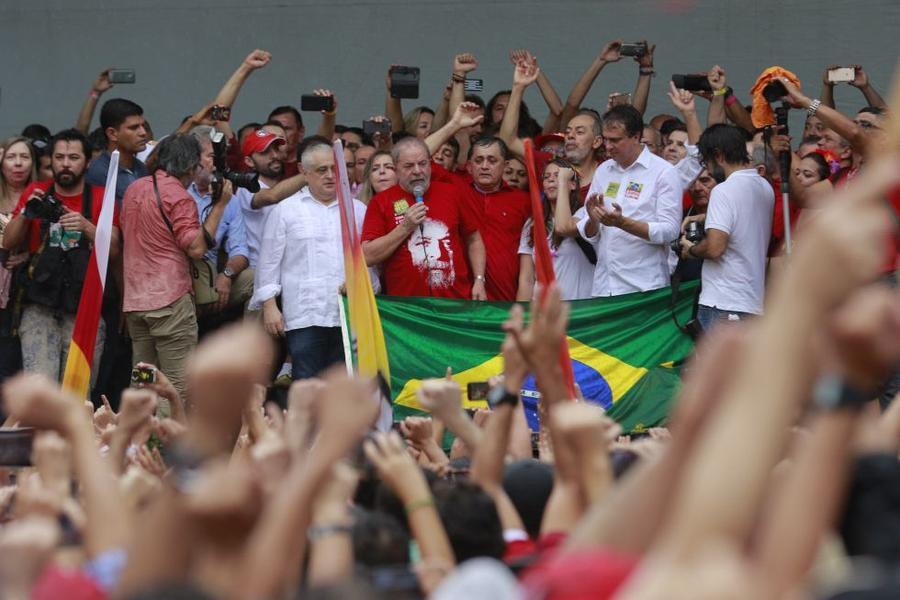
542	140
259	141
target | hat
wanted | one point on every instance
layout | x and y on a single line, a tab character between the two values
259	141
542	140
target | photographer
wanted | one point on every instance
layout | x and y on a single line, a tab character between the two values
56	221
162	231
234	282
738	226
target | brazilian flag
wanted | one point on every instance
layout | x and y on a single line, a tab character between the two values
626	350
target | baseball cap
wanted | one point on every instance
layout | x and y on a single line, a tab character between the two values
548	138
259	141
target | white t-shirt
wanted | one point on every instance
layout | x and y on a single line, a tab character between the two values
254	221
741	206
574	272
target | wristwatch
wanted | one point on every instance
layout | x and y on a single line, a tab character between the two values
480	278
499	395
227	272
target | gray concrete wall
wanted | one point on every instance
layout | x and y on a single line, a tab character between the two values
184	49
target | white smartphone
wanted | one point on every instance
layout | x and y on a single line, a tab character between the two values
842	75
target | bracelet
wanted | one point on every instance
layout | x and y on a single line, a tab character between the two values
730	99
317	532
722	92
94	94
813	107
647	71
833	392
458	78
480	278
417	504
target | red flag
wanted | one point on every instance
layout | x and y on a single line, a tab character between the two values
543	262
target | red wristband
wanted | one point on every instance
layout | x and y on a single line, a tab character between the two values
731	99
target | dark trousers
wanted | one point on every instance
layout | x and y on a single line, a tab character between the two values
314	349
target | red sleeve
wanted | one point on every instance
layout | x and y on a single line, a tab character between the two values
471	210
375	225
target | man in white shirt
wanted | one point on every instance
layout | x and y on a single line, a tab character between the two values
633	210
302	260
738	226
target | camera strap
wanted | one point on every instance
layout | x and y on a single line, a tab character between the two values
691	328
162	212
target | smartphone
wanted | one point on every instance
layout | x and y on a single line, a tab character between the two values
841	75
477	390
371	127
404	82
473	85
121	76
143	375
692	83
313	103
636	49
220	113
15	447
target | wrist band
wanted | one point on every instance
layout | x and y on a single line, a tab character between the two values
458	78
722	92
317	532
813	107
832	392
94	94
730	99
647	71
417	504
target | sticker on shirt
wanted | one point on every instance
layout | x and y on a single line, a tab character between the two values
633	191
432	254
60	238
612	190
400	207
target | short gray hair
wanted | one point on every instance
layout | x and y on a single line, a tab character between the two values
316	146
179	155
203	133
404	144
763	155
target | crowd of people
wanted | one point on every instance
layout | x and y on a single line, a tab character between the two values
775	470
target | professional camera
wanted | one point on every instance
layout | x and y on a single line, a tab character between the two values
221	172
693	233
47	208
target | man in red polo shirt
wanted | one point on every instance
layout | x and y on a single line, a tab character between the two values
55	221
424	231
502	212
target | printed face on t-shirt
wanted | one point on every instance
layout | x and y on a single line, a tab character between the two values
432	253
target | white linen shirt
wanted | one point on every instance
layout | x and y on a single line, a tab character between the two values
254	221
302	258
649	190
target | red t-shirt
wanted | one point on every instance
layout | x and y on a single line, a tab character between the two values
73	203
502	215
434	264
439	173
893	248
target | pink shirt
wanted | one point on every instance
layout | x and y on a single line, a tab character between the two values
156	266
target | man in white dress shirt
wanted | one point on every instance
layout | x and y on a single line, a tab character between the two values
633	210
302	260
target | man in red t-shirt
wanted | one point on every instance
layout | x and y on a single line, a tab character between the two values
502	212
423	244
56	223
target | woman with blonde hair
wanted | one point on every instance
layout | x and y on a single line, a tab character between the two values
378	176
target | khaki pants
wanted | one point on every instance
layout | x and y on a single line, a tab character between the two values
165	337
45	335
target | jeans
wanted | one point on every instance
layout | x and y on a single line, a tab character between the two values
710	315
314	349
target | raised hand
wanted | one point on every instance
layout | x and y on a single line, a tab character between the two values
525	73
417	430
35	401
136	409
441	397
104	415
521	55
646	61
861	79
257	59
464	63
395	466
795	96
327	94
825	80
515	367
716	77
610	52
466	115
682	100
102	83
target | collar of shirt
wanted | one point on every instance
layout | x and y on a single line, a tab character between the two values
642	160
305	195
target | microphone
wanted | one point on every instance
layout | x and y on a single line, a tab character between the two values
419	192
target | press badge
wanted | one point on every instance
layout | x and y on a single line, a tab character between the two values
400	207
60	238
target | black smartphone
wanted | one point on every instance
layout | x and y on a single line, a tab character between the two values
313	103
775	91
15	447
371	127
477	390
121	76
636	49
473	85
692	83
404	82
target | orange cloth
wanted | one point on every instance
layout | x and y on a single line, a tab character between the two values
762	113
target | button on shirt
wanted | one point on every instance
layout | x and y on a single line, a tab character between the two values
254	221
649	190
99	168
302	258
231	226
